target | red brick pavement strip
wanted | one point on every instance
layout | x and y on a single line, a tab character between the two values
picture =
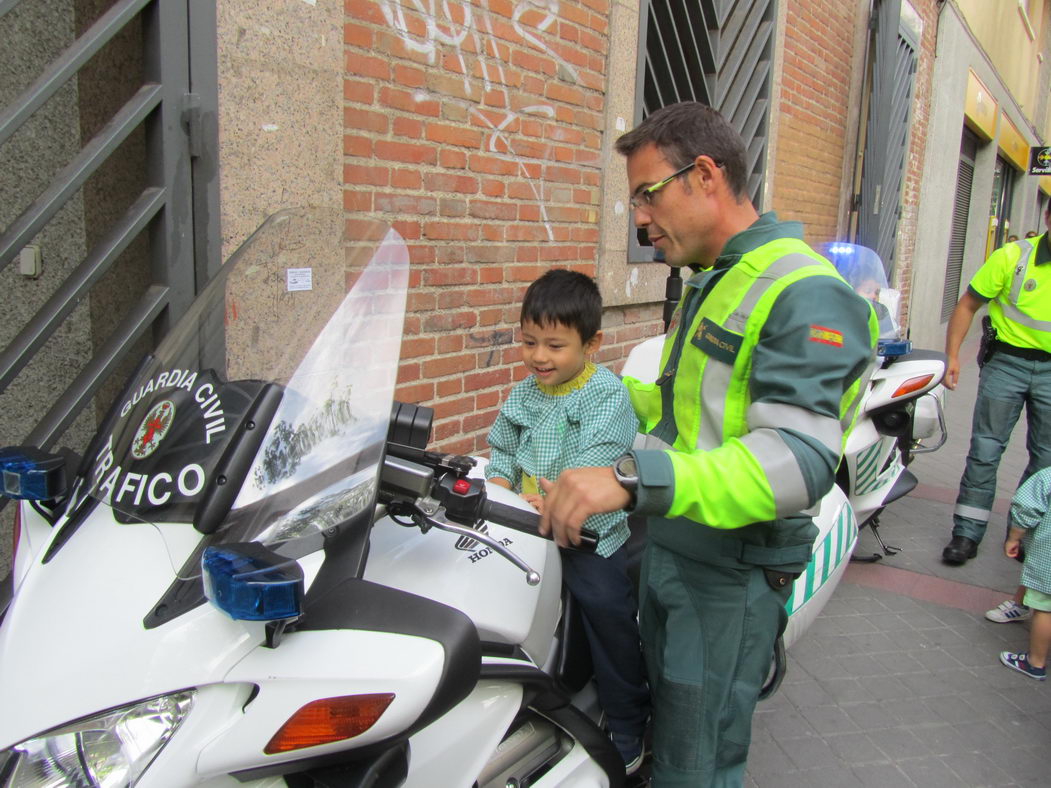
973	599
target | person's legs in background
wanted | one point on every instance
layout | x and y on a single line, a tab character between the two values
1002	390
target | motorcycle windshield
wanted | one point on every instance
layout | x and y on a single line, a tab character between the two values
864	271
262	415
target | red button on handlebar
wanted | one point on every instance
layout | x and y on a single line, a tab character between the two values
461	487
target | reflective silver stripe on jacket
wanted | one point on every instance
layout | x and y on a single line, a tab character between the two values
1018	316
714	385
863	386
776	415
1025	248
717	375
777	269
782	470
1011	310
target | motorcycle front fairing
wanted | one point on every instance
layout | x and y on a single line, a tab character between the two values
260	418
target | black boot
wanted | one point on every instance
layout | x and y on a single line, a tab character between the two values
959	550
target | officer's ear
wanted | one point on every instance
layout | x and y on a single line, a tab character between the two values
708	172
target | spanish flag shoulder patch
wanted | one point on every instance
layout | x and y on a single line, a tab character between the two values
826	336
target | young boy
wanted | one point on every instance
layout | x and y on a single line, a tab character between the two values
570	413
1031	519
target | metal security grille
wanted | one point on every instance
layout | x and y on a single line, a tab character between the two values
718	52
169	206
958	235
893	74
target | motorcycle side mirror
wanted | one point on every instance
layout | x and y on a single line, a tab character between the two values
28	473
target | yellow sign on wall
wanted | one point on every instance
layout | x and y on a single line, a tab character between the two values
1013	144
979	108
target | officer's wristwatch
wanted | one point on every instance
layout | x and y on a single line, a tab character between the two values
627	472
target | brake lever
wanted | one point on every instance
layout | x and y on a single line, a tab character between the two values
532	576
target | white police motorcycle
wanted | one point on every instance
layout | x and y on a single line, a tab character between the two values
901	413
254	461
257	574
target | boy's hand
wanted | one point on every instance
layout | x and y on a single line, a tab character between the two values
534	500
578	494
1011	547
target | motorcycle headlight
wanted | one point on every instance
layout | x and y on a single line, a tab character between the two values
110	750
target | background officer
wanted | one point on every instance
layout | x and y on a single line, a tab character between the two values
1016	370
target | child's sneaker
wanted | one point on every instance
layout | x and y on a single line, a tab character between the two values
1009	611
1020	662
630	749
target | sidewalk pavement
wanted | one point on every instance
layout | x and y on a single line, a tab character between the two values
898	682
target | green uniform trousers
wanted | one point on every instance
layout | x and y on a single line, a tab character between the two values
708	633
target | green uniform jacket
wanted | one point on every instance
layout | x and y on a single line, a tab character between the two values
762	370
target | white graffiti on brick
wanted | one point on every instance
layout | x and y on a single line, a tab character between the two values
452	28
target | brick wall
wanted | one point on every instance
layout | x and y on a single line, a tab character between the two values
812	150
812	128
476	131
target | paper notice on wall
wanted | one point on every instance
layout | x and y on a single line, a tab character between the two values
300	279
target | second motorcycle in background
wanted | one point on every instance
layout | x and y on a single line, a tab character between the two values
901	413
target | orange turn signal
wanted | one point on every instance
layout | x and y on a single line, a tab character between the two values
328	720
911	385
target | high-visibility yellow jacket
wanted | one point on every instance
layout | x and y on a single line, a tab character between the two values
761	375
1016	281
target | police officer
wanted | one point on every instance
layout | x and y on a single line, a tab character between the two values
761	372
1016	284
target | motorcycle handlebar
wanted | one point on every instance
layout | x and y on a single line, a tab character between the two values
529	522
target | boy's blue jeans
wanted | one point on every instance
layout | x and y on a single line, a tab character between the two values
1006	384
606	595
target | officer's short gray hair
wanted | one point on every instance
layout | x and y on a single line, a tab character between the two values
689	129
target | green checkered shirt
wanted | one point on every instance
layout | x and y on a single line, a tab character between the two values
542	430
1030	510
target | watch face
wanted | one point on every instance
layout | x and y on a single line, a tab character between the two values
626	467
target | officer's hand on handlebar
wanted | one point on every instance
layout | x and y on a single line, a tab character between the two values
576	495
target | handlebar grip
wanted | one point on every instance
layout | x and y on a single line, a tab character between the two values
529	522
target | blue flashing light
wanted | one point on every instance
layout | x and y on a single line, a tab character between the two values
894	348
27	473
249	582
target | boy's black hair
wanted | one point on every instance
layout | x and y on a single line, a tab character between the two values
564	297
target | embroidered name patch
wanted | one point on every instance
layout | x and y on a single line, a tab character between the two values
826	336
717	342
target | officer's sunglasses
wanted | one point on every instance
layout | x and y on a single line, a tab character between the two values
646	197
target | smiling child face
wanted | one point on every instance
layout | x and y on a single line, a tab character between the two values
554	352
